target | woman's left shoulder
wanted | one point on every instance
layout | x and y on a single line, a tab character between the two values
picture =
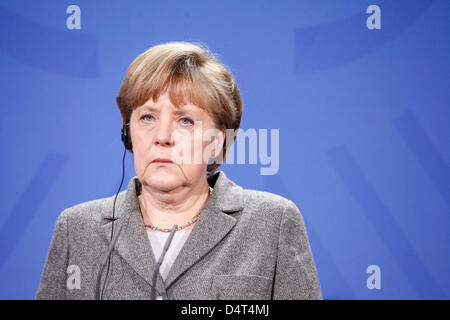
263	201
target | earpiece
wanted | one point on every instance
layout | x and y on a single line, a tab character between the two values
126	136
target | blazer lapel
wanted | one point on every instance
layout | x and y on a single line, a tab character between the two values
212	226
133	244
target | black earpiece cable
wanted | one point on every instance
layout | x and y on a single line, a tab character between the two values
113	238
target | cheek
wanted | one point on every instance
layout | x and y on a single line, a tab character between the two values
141	154
189	149
140	163
141	140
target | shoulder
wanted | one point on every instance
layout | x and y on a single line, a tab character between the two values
255	203
93	210
98	209
263	202
264	198
275	214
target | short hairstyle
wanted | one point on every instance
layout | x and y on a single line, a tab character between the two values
190	73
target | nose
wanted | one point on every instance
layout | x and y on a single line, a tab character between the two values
164	133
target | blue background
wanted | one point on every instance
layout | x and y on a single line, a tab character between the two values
363	118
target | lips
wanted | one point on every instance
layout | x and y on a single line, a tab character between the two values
162	160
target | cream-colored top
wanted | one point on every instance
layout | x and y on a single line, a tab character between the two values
158	240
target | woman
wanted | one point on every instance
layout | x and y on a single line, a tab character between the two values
177	103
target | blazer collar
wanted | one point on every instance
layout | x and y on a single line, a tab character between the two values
211	227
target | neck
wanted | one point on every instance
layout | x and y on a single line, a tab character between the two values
164	209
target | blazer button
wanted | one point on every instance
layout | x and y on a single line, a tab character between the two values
159	298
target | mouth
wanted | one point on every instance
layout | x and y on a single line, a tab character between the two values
162	161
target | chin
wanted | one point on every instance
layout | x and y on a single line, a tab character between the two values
162	179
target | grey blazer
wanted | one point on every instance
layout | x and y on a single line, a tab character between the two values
246	244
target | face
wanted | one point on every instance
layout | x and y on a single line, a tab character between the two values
187	136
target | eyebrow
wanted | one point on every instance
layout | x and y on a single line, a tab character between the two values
183	110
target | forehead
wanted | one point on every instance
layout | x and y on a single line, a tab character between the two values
164	102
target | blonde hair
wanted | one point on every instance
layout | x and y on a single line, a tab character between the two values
190	73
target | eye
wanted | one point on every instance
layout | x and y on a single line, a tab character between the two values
147	117
187	121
